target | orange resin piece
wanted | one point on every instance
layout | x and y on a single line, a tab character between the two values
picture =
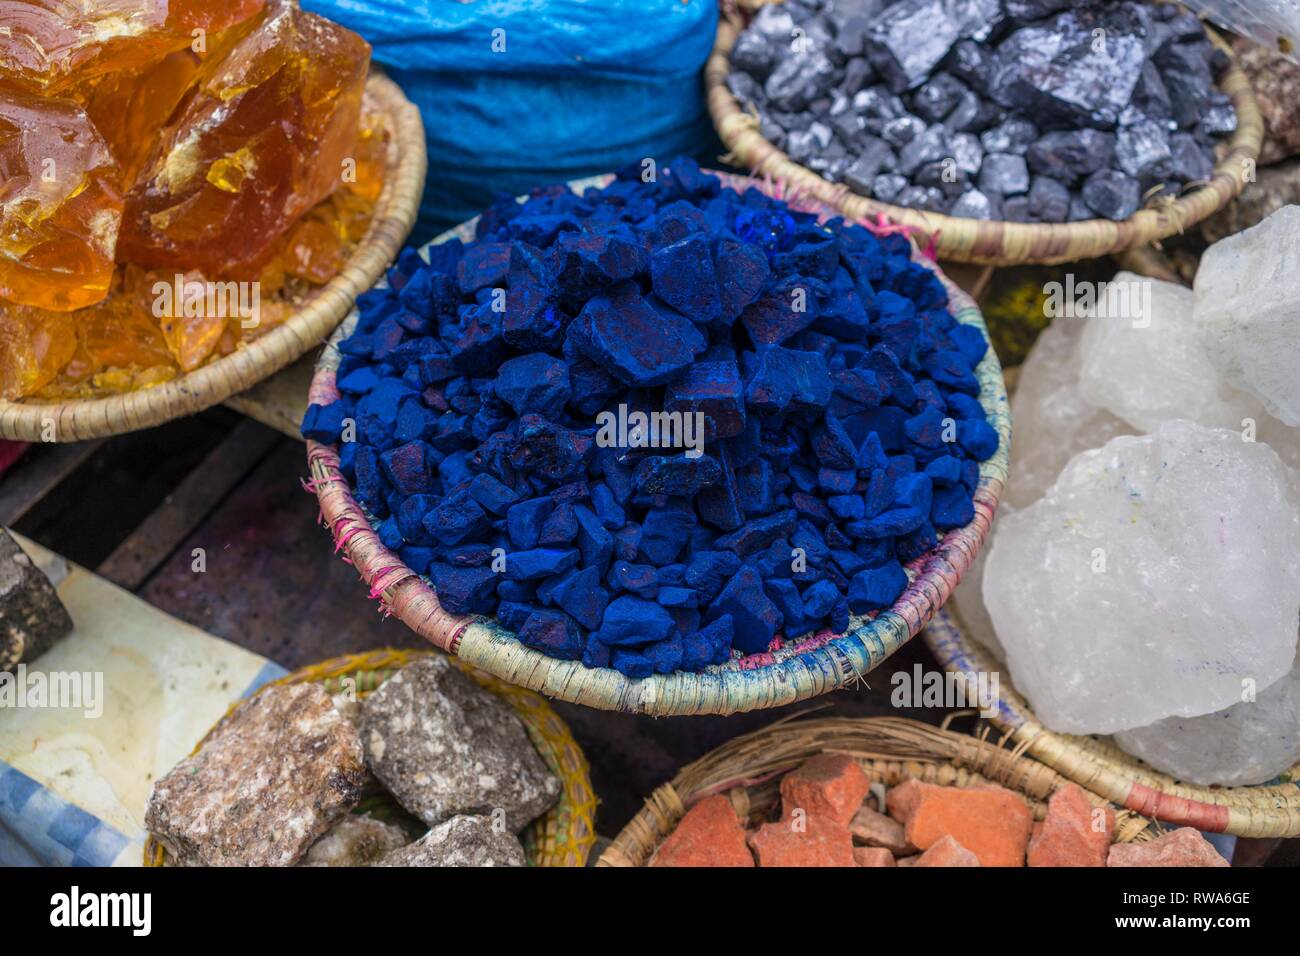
262	140
34	346
60	206
51	46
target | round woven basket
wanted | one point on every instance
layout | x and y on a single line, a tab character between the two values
806	669
988	242
213	383
1270	810
562	836
889	750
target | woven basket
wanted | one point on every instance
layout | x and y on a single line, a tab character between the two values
213	383
1271	810
812	667
889	750
972	240
562	836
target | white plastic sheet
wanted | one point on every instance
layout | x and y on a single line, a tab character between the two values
1275	23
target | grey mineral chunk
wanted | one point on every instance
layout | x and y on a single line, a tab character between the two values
1190	161
1034	9
1070	155
358	840
887	187
1013	135
1016	209
274	775
1185	69
943	176
1049	201
443	746
970	62
976	19
799	79
1150	95
937	98
966	153
461	841
857	74
1142	150
908	40
874	157
754	54
974	205
1079	210
31	616
1004	173
930	146
1112	195
1220	119
925	198
901	130
878	103
968	115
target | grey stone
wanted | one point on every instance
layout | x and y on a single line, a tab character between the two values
973	204
358	840
1013	135
1004	173
901	130
937	98
272	777
849	35
1185	69
1189	160
1219	120
976	19
887	187
1049	200
849	127
1150	95
878	103
1034	9
461	841
443	746
930	146
773	22
908	40
32	618
1112	195
967	153
1016	209
943	176
1142	151
874	158
968	115
753	53
857	74
925	198
970	62
1070	155
1079	210
798	79
745	88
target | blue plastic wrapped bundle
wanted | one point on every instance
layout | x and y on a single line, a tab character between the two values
517	92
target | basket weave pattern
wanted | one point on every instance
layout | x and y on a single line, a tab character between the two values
562	836
395	213
889	750
985	242
1101	767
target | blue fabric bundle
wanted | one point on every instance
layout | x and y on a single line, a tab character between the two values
662	421
519	91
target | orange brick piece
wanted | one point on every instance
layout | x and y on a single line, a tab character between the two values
1070	834
1183	847
901	800
709	835
873	856
991	822
819	841
875	829
828	785
947	852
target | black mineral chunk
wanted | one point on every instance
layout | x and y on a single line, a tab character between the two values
1112	195
1070	155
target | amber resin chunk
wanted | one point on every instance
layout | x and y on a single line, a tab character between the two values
51	46
60	206
261	141
34	346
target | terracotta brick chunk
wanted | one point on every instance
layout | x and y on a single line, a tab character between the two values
822	842
1068	835
1183	847
709	835
875	829
993	823
873	856
902	799
947	852
828	785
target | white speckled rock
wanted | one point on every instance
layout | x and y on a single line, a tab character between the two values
1251	742
1151	366
461	841
443	746
1248	310
1051	420
275	774
1199	533
968	599
358	840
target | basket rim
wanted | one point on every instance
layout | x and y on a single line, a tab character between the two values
577	799
888	748
801	673
992	242
213	383
1263	810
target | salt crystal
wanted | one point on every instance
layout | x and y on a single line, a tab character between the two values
1248	743
1164	570
1248	309
1148	365
1052	421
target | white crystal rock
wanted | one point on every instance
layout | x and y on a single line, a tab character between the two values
1248	310
1156	574
1051	421
1145	362
1283	439
968	599
1251	742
